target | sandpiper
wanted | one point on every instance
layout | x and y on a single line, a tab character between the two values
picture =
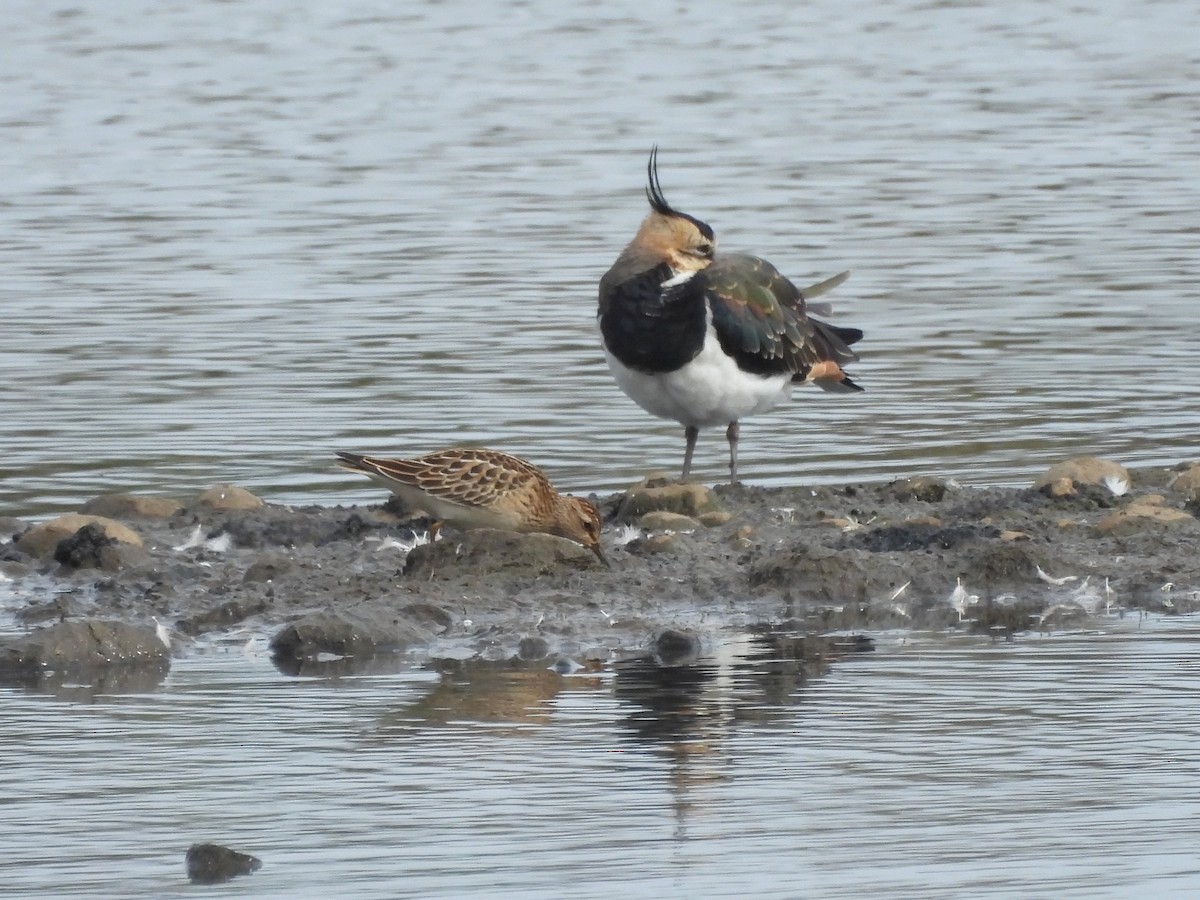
706	338
476	488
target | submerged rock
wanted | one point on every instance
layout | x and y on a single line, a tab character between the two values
671	647
83	645
364	632
213	864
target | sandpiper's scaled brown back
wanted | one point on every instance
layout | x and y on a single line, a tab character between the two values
478	488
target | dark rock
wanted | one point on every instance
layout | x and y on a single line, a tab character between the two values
213	864
91	548
923	487
671	647
83	645
83	549
41	540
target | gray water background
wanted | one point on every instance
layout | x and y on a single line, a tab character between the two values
1061	766
235	236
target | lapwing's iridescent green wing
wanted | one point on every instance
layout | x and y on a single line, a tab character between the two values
758	312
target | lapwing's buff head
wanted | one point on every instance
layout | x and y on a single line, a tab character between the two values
669	235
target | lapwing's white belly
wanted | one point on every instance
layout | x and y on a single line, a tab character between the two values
708	391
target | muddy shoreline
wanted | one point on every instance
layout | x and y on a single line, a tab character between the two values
330	584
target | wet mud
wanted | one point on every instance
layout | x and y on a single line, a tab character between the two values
338	586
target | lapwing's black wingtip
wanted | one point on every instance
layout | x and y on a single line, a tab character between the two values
850	384
848	335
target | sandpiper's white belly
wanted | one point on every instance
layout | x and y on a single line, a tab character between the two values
709	391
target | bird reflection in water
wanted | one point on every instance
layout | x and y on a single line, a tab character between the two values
688	711
514	692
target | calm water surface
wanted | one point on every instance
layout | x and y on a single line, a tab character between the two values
236	236
933	767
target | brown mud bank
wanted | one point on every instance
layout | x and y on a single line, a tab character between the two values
329	585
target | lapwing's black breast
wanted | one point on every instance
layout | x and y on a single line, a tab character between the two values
652	330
